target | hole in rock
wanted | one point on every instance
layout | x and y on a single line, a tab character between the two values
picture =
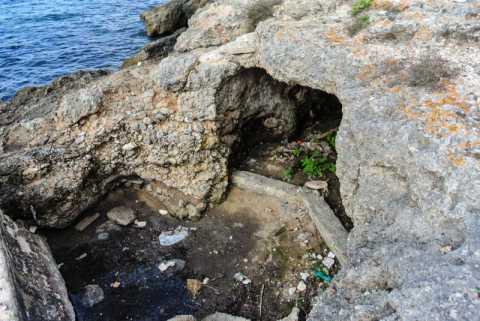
253	255
290	136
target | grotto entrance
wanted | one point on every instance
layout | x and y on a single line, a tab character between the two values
306	155
255	256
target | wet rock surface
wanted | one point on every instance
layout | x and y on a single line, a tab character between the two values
155	282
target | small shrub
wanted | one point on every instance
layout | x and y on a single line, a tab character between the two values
429	71
360	6
261	10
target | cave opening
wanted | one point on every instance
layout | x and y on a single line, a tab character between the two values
292	139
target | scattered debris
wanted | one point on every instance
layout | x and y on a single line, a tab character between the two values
323	276
301	287
304	276
121	215
140	224
177	264
115	285
194	287
240	277
169	238
86	222
317	185
81	257
92	295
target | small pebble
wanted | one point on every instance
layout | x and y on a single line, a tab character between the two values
301	287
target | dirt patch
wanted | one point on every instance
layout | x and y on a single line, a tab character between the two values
270	242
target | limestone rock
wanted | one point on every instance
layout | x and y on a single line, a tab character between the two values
171	16
122	215
30	283
154	50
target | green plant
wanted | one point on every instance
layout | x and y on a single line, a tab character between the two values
361	5
311	167
330	139
359	23
297	152
316	165
288	173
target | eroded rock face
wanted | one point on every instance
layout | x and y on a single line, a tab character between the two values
408	144
173	123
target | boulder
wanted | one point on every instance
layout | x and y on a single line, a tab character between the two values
31	287
154	51
171	16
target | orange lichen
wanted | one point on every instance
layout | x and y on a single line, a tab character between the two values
457	160
366	72
334	37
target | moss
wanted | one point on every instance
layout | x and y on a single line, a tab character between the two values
360	6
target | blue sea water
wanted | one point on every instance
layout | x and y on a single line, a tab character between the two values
41	40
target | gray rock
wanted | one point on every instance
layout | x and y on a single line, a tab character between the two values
155	50
171	16
121	215
92	294
30	282
169	238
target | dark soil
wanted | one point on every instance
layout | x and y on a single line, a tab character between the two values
270	241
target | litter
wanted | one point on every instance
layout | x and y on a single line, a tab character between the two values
169	238
322	276
240	277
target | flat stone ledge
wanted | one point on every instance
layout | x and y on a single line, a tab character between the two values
328	225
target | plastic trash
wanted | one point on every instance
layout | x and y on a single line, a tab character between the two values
323	276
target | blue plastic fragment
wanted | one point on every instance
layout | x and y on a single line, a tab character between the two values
323	276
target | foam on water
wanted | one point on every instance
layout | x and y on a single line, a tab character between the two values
41	40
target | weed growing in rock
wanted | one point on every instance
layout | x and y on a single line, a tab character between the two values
261	10
358	24
429	71
330	139
316	165
360	6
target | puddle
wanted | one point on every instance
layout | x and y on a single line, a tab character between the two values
272	243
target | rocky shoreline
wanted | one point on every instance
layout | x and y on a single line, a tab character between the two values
405	72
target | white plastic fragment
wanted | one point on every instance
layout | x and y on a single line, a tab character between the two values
169	238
